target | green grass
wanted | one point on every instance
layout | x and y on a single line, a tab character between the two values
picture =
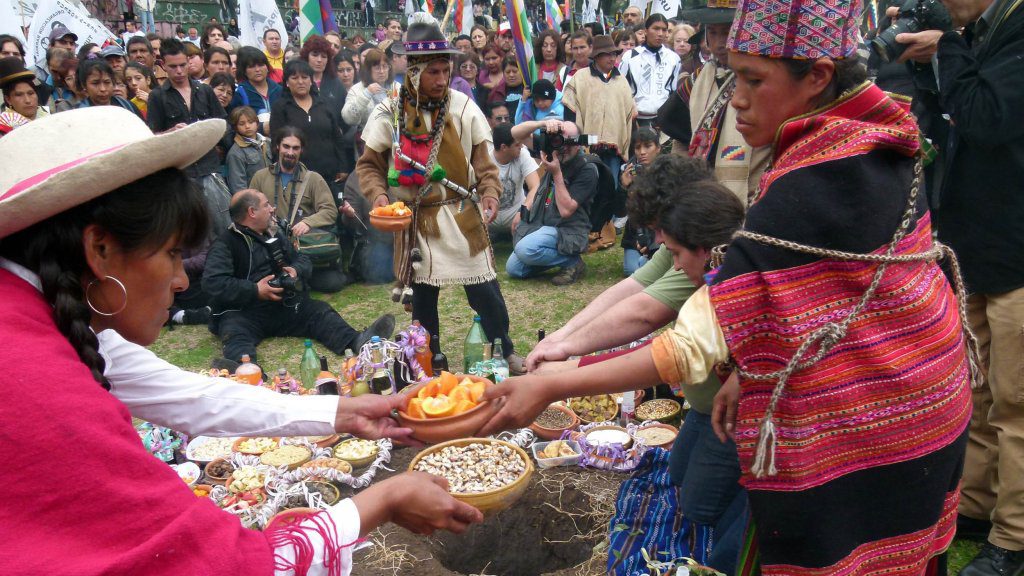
532	304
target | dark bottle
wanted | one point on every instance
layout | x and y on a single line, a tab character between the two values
540	335
380	380
326	383
439	361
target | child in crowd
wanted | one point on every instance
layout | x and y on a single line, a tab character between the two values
251	151
638	243
95	78
545	102
140	81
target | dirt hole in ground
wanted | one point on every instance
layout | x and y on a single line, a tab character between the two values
532	537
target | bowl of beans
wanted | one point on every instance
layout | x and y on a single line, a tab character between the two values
660	409
554	421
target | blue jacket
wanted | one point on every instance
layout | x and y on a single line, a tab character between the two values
246	95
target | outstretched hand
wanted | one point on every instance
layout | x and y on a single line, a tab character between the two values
369	417
518	402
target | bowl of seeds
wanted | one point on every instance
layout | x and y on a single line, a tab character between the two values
660	409
487	474
597	408
554	421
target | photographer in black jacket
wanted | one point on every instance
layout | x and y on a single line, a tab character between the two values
975	79
257	281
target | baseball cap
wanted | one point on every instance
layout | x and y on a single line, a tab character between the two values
59	31
112	50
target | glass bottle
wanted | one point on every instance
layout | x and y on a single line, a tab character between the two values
439	362
326	383
499	366
473	348
380	380
248	372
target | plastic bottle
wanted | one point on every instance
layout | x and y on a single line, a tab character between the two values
473	349
248	372
309	368
423	355
439	362
326	383
380	380
498	363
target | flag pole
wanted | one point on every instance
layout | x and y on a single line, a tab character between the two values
447	13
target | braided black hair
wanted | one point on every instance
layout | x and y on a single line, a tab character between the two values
142	216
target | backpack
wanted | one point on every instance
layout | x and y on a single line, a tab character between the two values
602	206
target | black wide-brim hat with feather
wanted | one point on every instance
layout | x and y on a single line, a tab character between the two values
424	38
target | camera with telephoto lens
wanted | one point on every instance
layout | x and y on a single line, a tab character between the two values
292	287
645	243
914	16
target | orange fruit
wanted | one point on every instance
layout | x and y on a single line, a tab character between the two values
431	389
461	393
448	381
464	406
415	408
477	389
438	407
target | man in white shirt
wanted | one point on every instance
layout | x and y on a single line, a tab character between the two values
130	29
515	168
651	70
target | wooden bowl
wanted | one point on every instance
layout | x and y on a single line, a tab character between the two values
555	433
626	444
668	443
215	479
357	462
238	443
434	430
491	501
390	223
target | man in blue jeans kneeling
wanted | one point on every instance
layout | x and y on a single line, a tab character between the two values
555	220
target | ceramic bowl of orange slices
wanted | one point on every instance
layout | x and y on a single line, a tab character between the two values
446	407
394	217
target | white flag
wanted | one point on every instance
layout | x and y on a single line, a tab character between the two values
670	8
256	17
50	13
589	13
467	17
15	15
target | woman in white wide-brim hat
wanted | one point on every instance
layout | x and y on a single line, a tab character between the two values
92	225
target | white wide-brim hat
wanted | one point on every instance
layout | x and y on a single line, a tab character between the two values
63	160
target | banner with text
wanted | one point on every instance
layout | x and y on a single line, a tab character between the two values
51	13
256	17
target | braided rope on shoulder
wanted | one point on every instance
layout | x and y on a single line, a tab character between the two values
827	336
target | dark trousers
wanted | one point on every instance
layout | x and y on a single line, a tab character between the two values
241	331
485	299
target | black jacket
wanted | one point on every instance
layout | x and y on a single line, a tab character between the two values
581	180
237	260
166	108
323	128
979	209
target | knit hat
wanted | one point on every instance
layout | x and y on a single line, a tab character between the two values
63	160
801	29
543	89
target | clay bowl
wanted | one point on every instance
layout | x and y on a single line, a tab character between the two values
606	417
434	430
307	456
215	479
555	433
390	223
356	462
238	444
627	439
668	443
491	501
644	411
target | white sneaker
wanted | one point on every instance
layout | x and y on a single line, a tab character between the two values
620	223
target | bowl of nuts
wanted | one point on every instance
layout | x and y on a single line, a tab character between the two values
218	470
554	421
660	409
319	466
487	474
446	408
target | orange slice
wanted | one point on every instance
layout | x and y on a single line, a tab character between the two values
477	389
464	406
461	393
431	389
447	381
415	408
438	407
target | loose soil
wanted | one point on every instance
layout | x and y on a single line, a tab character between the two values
558	528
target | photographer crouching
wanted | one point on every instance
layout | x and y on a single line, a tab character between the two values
975	80
257	281
554	220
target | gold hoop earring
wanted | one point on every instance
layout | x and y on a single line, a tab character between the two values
96	310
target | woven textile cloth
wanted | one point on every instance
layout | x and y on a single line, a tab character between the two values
804	29
870	437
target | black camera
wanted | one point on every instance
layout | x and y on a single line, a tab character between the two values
645	243
292	287
550	142
914	16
